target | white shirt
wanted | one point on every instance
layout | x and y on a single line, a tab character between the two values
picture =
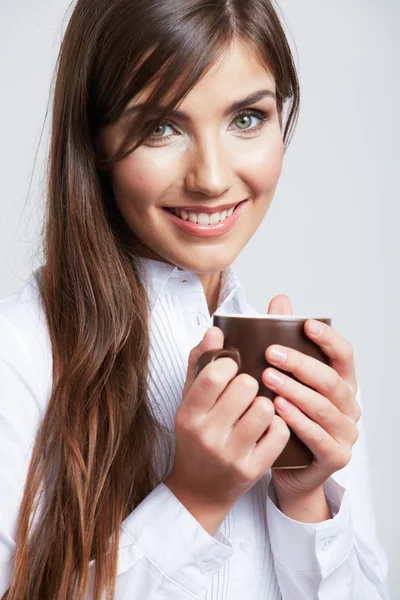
258	553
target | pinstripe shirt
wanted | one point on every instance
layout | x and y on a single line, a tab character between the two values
258	553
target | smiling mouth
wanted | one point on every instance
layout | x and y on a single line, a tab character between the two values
203	218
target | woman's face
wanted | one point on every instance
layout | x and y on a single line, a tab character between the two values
214	156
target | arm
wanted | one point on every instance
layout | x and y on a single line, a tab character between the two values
340	557
163	550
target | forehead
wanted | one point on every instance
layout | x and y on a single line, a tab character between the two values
238	72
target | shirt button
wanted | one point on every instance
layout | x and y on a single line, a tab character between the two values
206	568
245	545
199	319
328	544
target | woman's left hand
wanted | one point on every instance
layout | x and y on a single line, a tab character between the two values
324	419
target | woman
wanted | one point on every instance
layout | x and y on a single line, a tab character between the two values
126	477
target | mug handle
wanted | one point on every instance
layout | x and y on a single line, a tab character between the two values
212	355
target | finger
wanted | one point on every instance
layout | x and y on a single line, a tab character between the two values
337	348
270	445
318	408
208	386
326	449
280	305
315	374
247	430
237	397
213	338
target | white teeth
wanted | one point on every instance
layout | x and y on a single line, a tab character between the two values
204	218
214	218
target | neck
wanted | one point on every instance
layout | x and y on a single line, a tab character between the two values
211	282
212	285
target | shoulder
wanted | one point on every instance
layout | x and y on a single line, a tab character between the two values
25	348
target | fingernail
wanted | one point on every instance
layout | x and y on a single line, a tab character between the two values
274	377
277	353
315	327
282	404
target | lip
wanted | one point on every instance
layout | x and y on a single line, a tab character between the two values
206	209
204	231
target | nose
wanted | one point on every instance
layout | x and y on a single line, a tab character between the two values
210	169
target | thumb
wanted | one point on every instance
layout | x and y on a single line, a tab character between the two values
280	305
213	340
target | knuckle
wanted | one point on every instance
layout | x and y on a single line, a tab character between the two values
248	382
243	472
264	406
206	439
182	422
358	412
356	434
226	364
217	375
282	431
341	459
298	361
232	364
322	412
315	439
212	378
352	430
192	355
333	381
349	352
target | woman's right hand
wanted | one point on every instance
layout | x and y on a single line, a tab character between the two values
227	437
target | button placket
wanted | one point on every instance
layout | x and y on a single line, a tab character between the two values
245	545
327	543
206	568
199	319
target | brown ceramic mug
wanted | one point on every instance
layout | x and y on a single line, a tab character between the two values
246	339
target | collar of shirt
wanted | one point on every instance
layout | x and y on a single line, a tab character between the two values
166	279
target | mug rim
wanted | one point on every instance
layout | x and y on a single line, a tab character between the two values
272	317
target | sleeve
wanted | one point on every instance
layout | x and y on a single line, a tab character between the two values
165	552
341	557
163	549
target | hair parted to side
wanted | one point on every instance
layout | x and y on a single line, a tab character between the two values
91	464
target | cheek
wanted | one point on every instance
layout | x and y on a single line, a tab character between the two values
141	178
261	167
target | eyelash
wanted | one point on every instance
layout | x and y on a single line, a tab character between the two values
251	112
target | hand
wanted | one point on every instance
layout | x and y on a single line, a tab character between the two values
227	437
324	419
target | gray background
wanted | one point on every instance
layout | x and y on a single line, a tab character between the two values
330	239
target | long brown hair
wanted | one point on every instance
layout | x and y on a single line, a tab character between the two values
92	463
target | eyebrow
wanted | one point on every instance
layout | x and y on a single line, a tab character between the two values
237	105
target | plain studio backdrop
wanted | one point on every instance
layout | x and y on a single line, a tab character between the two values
330	239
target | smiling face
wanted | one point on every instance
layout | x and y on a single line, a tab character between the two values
211	156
